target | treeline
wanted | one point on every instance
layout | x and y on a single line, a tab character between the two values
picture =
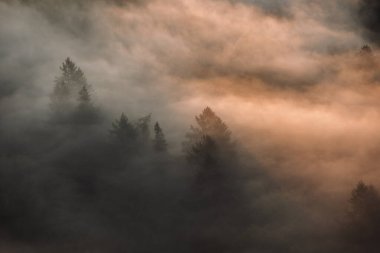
119	189
71	103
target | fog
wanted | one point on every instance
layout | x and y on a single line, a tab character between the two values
291	79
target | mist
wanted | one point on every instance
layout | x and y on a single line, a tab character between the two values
267	117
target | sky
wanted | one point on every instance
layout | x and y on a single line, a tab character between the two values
287	76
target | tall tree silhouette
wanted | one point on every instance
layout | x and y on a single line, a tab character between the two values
159	142
363	219
86	112
84	97
124	133
143	130
217	199
208	139
70	82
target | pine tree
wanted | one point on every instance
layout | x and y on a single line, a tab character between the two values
71	79
70	82
124	132
143	128
363	218
364	200
367	50
85	105
210	129
221	216
86	112
84	96
211	125
72	75
159	142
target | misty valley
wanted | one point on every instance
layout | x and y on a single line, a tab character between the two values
79	181
199	126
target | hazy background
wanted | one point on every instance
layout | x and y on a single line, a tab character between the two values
287	76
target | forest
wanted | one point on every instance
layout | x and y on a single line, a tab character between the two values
73	182
189	126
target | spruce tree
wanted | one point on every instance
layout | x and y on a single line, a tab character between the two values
143	128
86	112
124	133
84	96
71	80
217	201
363	218
209	129
68	84
159	142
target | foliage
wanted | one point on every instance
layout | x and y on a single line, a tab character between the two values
210	139
218	201
363	218
71	97
159	142
124	132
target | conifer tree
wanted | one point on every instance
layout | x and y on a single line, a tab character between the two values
86	112
363	214
70	82
366	49
210	129
159	142
217	200
143	128
124	132
71	79
84	96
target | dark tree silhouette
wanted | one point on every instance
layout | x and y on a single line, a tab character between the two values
124	132
71	82
159	142
84	97
71	79
86	112
364	201
210	129
143	129
366	50
217	199
363	219
367	61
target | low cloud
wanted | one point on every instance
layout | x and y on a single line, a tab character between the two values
288	77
